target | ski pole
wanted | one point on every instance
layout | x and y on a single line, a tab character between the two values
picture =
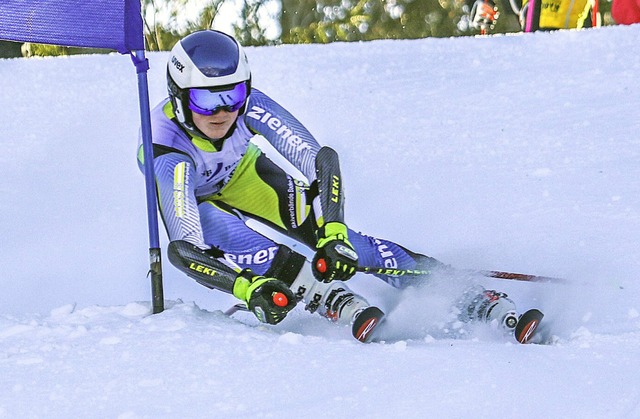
513	276
321	267
521	277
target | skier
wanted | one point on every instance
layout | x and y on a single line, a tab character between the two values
211	178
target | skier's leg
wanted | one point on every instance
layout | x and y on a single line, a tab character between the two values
333	300
250	249
380	253
338	303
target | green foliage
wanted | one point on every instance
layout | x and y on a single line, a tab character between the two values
363	20
311	21
164	25
10	49
250	29
43	50
321	21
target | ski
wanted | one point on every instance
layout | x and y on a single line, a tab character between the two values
527	325
362	329
365	324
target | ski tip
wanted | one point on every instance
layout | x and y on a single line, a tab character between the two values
527	325
366	322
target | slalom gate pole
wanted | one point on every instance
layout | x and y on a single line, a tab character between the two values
155	257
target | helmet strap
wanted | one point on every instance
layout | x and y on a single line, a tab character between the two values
179	111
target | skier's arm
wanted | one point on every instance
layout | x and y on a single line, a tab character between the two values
187	250
175	172
189	253
286	134
335	256
211	269
320	166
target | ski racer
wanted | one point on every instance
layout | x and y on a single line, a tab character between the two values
211	178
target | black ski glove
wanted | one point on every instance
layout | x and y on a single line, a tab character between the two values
268	298
335	257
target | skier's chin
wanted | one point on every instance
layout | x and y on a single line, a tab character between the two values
217	131
217	126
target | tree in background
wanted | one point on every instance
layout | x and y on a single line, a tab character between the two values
320	21
359	20
305	21
298	14
254	20
9	49
165	23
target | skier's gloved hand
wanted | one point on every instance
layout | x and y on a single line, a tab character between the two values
335	257
484	13
268	298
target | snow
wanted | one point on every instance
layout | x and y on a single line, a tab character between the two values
517	153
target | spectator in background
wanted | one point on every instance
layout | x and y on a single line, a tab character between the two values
626	12
537	15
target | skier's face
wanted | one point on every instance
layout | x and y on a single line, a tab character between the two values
217	125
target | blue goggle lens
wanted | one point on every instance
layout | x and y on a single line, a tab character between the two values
207	102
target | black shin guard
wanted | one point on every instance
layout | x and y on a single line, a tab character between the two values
208	267
286	265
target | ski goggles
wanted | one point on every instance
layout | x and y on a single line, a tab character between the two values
208	102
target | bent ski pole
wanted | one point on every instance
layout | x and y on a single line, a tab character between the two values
392	272
521	277
512	276
321	266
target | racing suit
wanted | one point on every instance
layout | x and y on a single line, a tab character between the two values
208	189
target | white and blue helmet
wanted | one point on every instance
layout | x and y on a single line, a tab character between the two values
207	71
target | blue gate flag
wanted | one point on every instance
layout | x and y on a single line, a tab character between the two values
111	24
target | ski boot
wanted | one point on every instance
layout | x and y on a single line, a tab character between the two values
338	303
479	304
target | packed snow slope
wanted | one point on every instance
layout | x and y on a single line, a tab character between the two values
517	153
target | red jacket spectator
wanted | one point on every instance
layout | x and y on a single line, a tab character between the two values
626	12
